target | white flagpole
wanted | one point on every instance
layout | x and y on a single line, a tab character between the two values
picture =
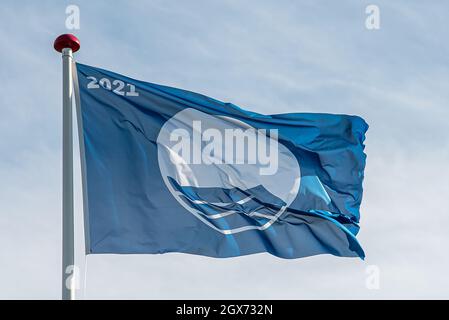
67	44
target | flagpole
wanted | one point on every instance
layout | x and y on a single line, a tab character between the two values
67	44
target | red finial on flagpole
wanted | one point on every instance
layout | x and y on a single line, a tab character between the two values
66	41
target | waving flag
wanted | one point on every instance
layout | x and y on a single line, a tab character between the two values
168	170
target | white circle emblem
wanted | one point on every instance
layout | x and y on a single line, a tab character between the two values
226	173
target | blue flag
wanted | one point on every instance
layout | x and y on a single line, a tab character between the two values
169	170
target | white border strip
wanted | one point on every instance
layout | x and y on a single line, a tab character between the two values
79	120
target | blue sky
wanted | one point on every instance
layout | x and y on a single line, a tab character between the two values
265	56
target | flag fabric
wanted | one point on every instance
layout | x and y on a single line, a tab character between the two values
169	170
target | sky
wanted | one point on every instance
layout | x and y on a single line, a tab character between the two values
265	56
